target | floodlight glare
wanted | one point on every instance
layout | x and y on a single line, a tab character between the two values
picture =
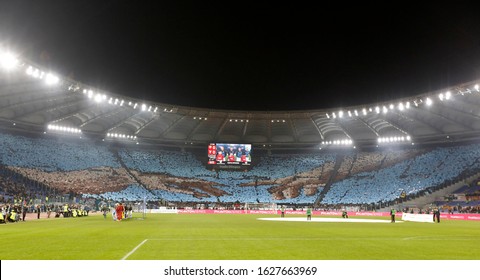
340	114
51	79
476	87
98	98
448	94
401	107
36	73
429	101
440	96
8	61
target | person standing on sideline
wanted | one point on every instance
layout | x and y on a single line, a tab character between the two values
282	211
436	215
105	210
392	215
309	213
24	211
38	211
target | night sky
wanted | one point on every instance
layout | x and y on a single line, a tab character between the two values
249	56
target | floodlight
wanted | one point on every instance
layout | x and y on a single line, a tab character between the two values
400	106
448	95
429	101
476	87
98	98
440	96
8	61
340	114
51	79
364	111
377	110
36	73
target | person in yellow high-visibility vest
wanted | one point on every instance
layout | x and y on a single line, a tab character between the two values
13	216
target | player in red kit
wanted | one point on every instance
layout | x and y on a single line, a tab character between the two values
220	157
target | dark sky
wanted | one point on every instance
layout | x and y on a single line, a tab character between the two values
250	56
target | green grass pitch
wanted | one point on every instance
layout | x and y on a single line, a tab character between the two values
235	237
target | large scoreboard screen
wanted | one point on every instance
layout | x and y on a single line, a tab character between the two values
229	154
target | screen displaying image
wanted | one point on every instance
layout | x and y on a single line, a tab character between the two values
235	154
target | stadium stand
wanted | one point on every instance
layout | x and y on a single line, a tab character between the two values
39	166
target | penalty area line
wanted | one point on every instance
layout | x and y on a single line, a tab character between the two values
134	249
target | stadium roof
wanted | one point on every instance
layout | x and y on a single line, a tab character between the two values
34	99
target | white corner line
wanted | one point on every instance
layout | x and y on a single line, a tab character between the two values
134	249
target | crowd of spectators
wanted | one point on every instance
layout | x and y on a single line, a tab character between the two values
32	168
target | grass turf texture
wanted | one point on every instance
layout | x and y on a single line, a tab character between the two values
231	237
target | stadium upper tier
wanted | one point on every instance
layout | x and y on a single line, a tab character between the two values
32	98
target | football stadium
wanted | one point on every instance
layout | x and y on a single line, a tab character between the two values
263	143
208	184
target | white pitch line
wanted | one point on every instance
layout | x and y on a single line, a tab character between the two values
134	249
